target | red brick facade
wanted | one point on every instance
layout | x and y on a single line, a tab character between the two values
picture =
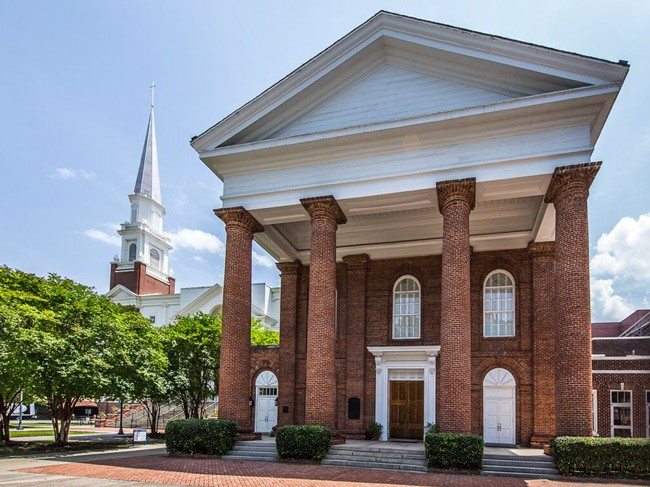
331	312
568	191
234	376
138	281
455	201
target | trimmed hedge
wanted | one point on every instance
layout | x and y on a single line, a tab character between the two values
303	442
204	436
454	451
602	457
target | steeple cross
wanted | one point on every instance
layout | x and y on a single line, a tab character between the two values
153	89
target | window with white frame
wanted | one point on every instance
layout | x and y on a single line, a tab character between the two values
406	308
647	414
594	412
499	305
154	259
133	249
621	404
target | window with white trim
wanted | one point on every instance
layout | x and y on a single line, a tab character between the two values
594	412
406	308
647	414
133	249
621	405
499	305
154	259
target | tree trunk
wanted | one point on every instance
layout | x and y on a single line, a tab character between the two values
61	412
7	407
153	415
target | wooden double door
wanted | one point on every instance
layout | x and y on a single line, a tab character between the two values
406	409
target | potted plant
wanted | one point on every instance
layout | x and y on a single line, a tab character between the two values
373	431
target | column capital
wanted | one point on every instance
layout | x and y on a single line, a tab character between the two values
357	261
324	206
288	268
577	177
541	249
456	190
238	216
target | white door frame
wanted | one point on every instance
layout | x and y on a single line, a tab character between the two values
421	360
503	387
265	379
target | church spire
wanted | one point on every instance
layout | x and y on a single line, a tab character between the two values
148	181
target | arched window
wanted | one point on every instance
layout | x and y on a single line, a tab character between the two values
406	308
133	249
499	305
154	259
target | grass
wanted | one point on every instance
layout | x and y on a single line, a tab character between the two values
31	433
40	447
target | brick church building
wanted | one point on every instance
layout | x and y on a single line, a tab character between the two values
424	190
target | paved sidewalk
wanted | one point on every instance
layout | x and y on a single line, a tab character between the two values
150	466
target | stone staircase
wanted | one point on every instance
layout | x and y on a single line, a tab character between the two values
385	457
257	451
525	466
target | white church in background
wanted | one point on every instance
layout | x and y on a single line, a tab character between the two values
140	275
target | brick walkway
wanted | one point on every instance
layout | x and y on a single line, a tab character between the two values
207	472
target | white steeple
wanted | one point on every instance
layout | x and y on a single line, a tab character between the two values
143	239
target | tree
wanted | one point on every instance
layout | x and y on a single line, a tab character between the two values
193	348
20	308
73	342
261	335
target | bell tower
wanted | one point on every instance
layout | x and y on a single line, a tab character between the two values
143	266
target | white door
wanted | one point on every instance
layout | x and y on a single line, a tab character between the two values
499	395
266	409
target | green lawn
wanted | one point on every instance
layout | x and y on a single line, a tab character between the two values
30	433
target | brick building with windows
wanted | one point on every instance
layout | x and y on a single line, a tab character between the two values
424	190
621	376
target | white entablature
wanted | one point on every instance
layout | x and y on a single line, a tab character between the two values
392	108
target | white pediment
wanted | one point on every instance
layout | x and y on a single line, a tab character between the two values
389	93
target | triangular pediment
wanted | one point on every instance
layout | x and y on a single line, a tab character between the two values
120	292
394	67
389	93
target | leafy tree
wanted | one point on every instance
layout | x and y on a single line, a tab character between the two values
193	348
74	343
20	307
261	335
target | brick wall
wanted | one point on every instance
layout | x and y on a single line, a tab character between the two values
637	383
138	281
514	354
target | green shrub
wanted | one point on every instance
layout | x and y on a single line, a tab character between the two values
373	429
205	436
454	451
603	457
303	442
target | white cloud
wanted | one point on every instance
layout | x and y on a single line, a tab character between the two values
198	240
605	303
263	260
67	174
621	269
103	237
198	258
623	252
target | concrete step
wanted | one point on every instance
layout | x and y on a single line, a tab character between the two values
253	451
374	465
536	466
378	457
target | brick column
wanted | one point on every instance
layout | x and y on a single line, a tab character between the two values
288	312
543	256
320	400
356	339
455	201
568	191
235	373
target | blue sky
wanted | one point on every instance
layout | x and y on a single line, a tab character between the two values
74	98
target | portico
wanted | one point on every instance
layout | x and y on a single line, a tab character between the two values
424	203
